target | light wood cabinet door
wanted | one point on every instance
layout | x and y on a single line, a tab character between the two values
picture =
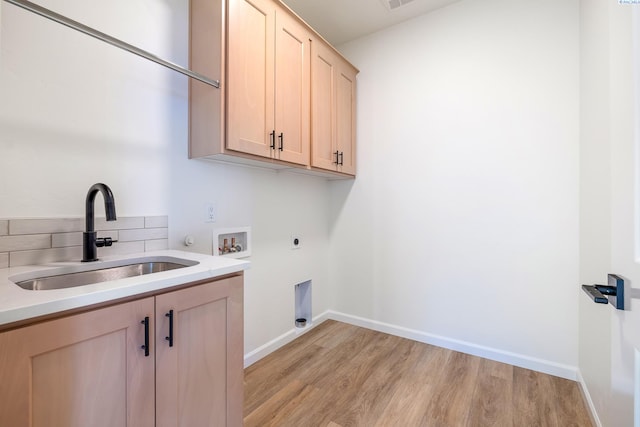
293	91
333	110
268	97
83	370
250	76
346	117
199	379
323	110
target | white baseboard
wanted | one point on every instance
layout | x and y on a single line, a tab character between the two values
587	399
540	365
268	348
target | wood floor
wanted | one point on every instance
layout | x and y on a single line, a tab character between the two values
338	375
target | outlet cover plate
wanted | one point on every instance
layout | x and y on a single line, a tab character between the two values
210	212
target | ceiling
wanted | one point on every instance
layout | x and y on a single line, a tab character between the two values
340	21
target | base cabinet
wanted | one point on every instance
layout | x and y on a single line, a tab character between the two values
93	368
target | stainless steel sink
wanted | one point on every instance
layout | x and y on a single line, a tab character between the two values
66	277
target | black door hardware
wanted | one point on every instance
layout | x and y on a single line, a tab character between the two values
612	292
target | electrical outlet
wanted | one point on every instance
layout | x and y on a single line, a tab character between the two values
210	212
296	241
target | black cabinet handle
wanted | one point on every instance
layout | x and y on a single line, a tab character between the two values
170	337
145	347
337	153
273	140
281	136
341	158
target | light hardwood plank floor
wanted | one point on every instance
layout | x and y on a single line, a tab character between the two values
339	375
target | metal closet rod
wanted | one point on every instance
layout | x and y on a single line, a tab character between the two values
61	19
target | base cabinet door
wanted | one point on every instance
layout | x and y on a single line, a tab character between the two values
83	370
199	355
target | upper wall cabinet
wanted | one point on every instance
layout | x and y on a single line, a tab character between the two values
265	113
333	110
268	78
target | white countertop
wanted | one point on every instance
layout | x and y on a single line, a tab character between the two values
18	304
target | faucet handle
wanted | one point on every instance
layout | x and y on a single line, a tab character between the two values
105	241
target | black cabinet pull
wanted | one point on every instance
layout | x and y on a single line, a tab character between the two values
341	158
273	140
145	347
337	153
281	136
170	337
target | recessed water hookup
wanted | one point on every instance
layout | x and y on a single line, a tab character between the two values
612	292
232	242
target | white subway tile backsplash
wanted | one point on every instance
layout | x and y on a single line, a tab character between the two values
156	221
40	226
122	248
23	243
156	245
45	256
61	240
46	240
143	234
120	223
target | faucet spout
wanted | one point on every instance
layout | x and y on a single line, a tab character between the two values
90	242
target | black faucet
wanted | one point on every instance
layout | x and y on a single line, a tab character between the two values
90	242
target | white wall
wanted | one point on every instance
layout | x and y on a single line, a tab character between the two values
463	222
75	111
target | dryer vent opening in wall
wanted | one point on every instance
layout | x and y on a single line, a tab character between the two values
303	304
394	4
